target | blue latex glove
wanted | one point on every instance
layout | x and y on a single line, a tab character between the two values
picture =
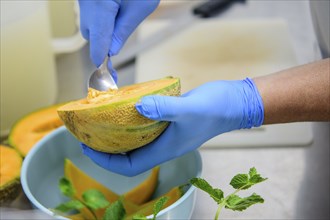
197	116
107	24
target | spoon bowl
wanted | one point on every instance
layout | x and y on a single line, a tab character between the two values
101	78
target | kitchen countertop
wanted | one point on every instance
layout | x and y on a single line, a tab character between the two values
298	184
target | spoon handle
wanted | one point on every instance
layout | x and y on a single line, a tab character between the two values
105	70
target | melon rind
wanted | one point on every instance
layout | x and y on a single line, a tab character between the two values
10	191
116	127
10	185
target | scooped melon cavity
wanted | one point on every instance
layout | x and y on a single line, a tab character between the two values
108	121
95	97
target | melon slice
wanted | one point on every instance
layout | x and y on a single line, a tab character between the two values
133	198
10	168
31	128
143	192
108	121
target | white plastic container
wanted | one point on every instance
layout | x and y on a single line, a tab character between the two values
28	74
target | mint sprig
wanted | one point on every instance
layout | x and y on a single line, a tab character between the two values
72	205
93	200
245	181
236	203
158	206
66	187
216	194
233	201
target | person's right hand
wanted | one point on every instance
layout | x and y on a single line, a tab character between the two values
197	116
107	24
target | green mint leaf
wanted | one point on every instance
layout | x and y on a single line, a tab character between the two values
66	187
252	172
237	203
69	206
139	217
115	211
95	199
216	194
245	181
159	205
239	181
255	177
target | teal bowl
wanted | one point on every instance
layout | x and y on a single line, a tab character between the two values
43	167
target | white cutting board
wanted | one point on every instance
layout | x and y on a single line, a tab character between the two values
216	50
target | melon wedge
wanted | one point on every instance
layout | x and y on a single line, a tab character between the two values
143	192
10	168
108	121
27	131
133	198
82	182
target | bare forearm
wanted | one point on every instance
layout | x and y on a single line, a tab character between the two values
298	94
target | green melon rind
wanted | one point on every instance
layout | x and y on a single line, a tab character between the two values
10	191
109	133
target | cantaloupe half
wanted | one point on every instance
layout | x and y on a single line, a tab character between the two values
10	168
108	121
27	131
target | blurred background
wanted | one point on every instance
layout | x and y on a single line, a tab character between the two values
44	61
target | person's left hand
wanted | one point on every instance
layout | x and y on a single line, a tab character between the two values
197	116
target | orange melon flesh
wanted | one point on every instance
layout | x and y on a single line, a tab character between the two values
82	182
10	168
97	98
138	195
32	127
143	192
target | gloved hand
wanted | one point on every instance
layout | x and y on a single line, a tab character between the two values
197	116
107	24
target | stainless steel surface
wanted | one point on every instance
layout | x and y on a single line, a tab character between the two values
101	78
298	184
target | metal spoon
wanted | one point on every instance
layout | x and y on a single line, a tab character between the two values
101	78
